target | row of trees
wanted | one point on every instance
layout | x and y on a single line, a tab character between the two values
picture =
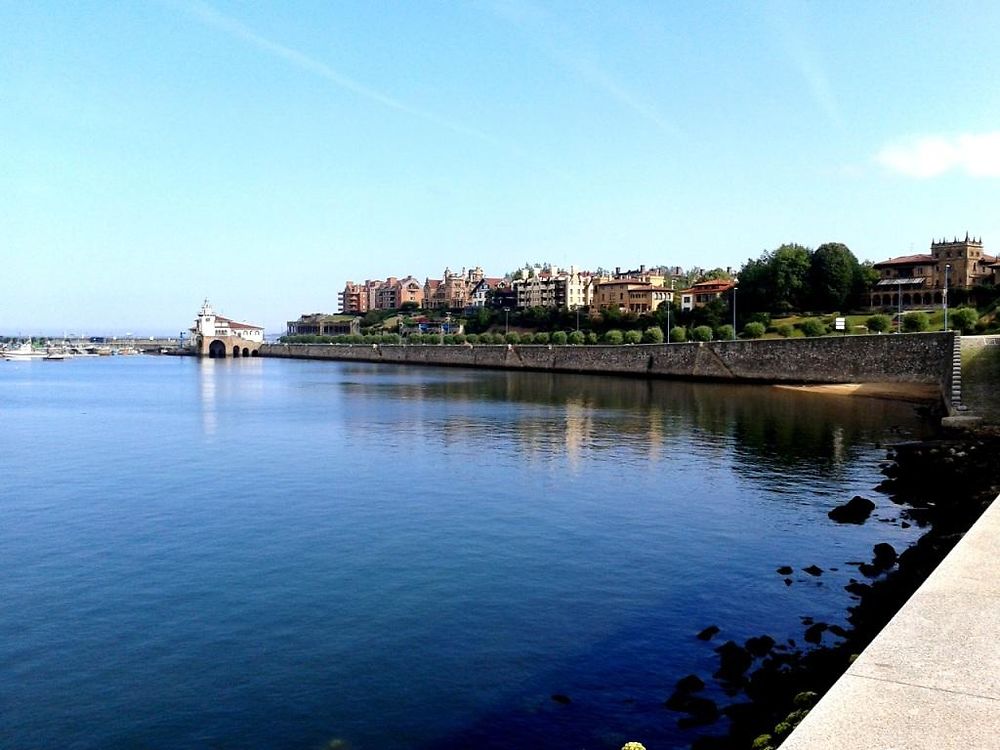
794	278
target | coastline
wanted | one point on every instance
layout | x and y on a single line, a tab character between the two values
943	485
918	393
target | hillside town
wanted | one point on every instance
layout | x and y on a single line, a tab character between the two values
789	280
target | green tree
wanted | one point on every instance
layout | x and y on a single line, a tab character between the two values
614	336
652	335
541	338
633	336
879	323
591	337
963	319
576	338
702	333
559	337
716	274
790	272
472	338
833	270
725	333
678	335
512	338
915	322
754	330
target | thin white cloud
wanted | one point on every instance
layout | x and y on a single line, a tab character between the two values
923	157
793	28
212	18
556	40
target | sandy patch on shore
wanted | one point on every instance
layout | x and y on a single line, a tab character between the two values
916	392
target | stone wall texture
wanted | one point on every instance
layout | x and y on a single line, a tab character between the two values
894	358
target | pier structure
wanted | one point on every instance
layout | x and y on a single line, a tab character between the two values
216	336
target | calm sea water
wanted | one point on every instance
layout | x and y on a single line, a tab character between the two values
280	554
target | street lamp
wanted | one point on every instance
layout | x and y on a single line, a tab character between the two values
944	295
899	305
506	321
734	313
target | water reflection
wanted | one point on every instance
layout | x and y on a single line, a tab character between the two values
221	379
537	413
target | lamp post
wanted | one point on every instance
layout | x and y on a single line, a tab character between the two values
899	305
944	295
506	321
734	313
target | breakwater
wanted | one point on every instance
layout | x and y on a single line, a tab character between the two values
926	358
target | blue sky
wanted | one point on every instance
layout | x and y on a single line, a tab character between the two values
156	152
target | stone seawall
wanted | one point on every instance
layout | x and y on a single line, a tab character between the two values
903	358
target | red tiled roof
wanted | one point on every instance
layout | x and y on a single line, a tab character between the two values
906	260
226	322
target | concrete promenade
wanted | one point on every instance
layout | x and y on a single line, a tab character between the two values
931	679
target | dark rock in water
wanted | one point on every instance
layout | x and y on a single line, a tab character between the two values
855	510
869	571
759	646
690	684
788	581
807	620
885	556
838	631
708	633
857	588
813	570
904	525
700	711
785	570
561	699
734	660
814	633
681	699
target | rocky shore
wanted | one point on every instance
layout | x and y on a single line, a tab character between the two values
943	486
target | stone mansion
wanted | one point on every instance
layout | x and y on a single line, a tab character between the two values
920	280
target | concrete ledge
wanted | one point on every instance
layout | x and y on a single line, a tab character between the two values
931	679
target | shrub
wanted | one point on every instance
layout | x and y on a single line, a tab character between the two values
915	322
633	337
559	337
472	338
879	323
591	337
540	338
702	333
460	338
725	333
614	336
754	330
813	327
785	330
964	319
576	338
449	338
678	335
652	335
760	317
512	338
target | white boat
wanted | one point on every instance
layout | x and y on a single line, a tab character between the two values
23	352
